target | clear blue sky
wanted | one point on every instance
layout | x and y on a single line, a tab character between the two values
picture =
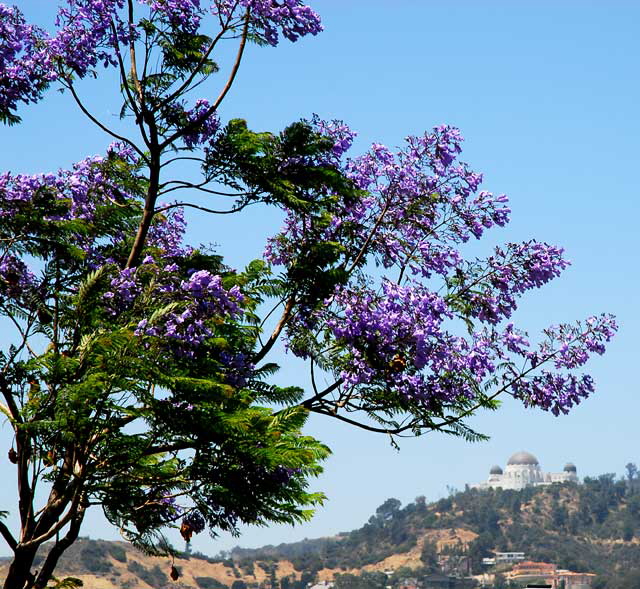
547	95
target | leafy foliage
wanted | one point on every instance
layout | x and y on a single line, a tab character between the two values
140	375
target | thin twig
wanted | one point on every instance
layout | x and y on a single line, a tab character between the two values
214	107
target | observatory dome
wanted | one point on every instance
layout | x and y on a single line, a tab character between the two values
523	458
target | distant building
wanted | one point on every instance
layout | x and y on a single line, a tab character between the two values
529	571
408	583
508	557
322	585
523	470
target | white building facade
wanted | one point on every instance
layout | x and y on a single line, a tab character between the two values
523	470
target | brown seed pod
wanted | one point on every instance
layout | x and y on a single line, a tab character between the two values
186	531
44	316
173	573
13	456
398	363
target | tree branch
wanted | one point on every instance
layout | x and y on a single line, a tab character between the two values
8	536
365	245
369	428
106	129
59	547
132	57
61	523
201	208
308	403
181	185
286	315
214	107
179	91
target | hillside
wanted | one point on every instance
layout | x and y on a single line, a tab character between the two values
592	527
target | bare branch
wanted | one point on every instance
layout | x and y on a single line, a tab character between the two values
182	158
308	403
367	241
364	426
182	184
61	523
179	91
214	107
106	129
132	56
286	315
200	208
59	547
8	536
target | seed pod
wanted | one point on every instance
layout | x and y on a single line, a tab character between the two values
398	364
44	316
13	456
186	531
173	573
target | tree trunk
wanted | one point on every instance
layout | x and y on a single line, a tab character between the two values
20	575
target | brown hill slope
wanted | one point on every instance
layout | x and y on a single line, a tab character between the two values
592	527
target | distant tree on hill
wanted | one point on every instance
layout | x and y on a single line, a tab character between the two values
429	557
632	471
388	509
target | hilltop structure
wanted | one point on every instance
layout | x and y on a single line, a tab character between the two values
523	470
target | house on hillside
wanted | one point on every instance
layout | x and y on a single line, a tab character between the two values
530	571
408	583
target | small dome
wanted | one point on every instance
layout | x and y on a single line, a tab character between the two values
523	458
570	467
495	470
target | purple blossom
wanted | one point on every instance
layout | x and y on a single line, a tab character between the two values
206	127
167	233
184	15
419	204
25	67
89	32
195	306
16	278
269	18
338	131
124	290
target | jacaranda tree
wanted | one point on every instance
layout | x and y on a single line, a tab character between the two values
136	370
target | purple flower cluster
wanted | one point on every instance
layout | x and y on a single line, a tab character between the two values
184	15
419	203
338	131
169	508
418	206
88	33
16	279
124	290
270	17
206	127
25	67
567	347
492	287
167	233
195	306
79	190
396	338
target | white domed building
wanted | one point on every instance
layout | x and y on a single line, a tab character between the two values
523	470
